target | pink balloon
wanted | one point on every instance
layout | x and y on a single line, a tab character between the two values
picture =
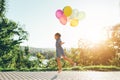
63	20
59	13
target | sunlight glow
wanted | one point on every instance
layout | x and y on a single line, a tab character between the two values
94	35
41	22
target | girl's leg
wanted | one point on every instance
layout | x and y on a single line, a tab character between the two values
68	59
59	65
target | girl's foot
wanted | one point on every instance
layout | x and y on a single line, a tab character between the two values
59	71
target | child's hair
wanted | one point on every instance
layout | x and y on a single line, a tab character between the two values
58	34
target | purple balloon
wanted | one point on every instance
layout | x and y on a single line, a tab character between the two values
59	13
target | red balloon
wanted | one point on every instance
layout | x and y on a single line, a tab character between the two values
59	13
63	20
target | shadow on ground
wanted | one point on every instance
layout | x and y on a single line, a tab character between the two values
54	77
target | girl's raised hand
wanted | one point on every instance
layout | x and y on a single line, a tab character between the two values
62	43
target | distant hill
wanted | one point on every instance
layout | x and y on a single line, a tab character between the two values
35	50
47	52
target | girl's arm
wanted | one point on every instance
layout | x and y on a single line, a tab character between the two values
61	43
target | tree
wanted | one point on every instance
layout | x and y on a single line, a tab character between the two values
40	59
115	37
26	50
11	35
115	44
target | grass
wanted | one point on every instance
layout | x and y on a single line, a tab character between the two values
102	68
77	68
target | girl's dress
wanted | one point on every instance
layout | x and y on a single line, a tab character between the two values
59	49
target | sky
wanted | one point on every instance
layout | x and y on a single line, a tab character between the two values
38	18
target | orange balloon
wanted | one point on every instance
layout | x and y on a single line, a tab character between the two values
63	20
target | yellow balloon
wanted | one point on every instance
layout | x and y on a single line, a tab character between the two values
74	22
67	11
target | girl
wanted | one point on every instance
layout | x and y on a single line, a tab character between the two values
60	52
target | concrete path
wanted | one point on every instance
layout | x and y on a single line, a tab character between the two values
65	75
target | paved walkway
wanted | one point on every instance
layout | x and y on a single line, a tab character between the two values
65	75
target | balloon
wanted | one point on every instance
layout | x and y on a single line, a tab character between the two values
67	11
59	13
81	15
74	22
68	19
75	13
63	20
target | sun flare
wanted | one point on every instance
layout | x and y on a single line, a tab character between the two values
94	35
